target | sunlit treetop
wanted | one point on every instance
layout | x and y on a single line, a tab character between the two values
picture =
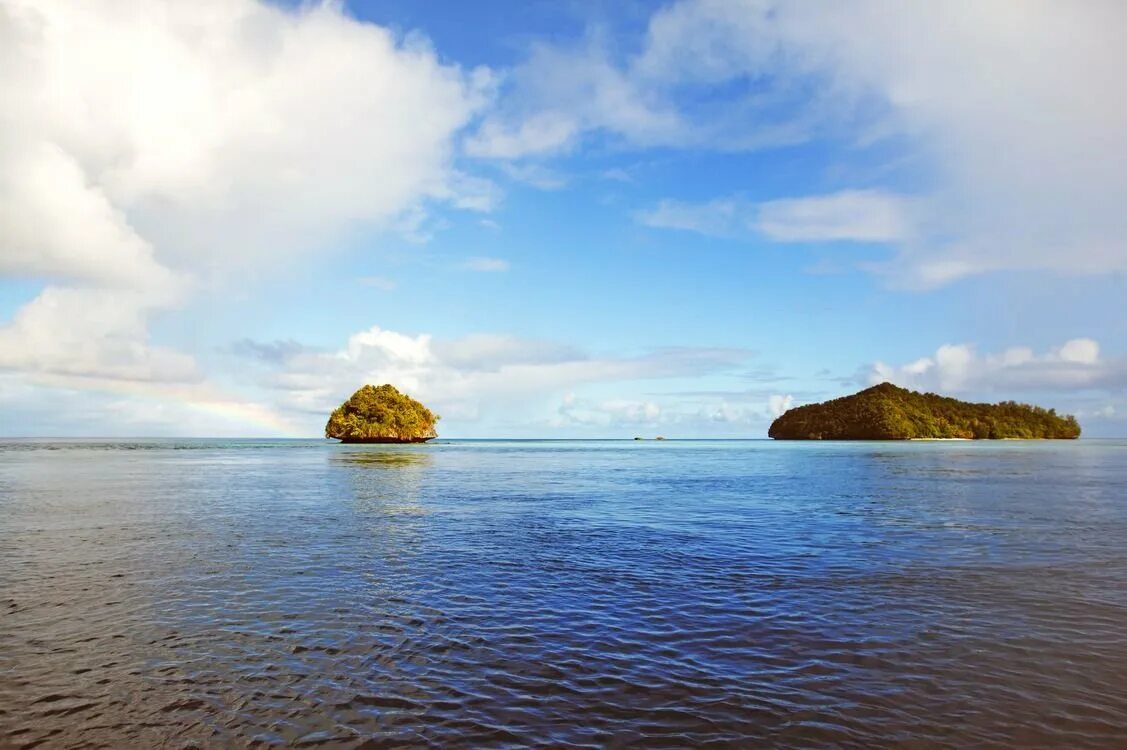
381	414
886	412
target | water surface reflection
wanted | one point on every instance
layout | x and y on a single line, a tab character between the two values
214	594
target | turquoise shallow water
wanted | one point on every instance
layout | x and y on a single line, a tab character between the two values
193	593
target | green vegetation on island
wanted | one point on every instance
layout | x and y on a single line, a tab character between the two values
886	412
381	414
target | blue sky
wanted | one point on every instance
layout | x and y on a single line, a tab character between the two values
555	219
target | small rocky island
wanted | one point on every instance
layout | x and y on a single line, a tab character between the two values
381	414
886	412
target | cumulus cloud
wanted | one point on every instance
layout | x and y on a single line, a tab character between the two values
147	149
1079	351
57	226
90	333
778	404
1011	113
1076	364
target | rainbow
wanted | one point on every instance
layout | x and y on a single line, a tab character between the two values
201	398
249	413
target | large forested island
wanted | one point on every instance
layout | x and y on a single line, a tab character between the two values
381	414
886	412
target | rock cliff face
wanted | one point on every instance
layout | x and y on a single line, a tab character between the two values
886	412
381	414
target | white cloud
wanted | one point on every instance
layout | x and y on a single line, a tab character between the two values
564	93
719	218
382	283
465	377
1080	351
536	175
89	333
480	384
778	404
561	92
486	264
240	120
538	133
132	408
960	368
54	225
1011	114
851	215
617	174
700	416
1100	417
490	352
150	148
613	413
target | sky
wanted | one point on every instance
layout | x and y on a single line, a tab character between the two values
555	219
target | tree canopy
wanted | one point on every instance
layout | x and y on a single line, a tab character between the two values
381	414
886	412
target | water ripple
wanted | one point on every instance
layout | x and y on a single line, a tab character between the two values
254	594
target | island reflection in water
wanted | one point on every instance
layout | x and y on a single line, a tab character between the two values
179	593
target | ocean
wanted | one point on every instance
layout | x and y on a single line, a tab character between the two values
233	593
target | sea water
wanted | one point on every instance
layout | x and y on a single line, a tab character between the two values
195	593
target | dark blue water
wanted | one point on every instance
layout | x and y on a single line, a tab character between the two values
559	594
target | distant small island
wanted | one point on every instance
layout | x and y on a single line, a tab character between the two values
886	412
381	414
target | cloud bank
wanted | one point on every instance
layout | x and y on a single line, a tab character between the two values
1075	365
468	377
151	149
1011	115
